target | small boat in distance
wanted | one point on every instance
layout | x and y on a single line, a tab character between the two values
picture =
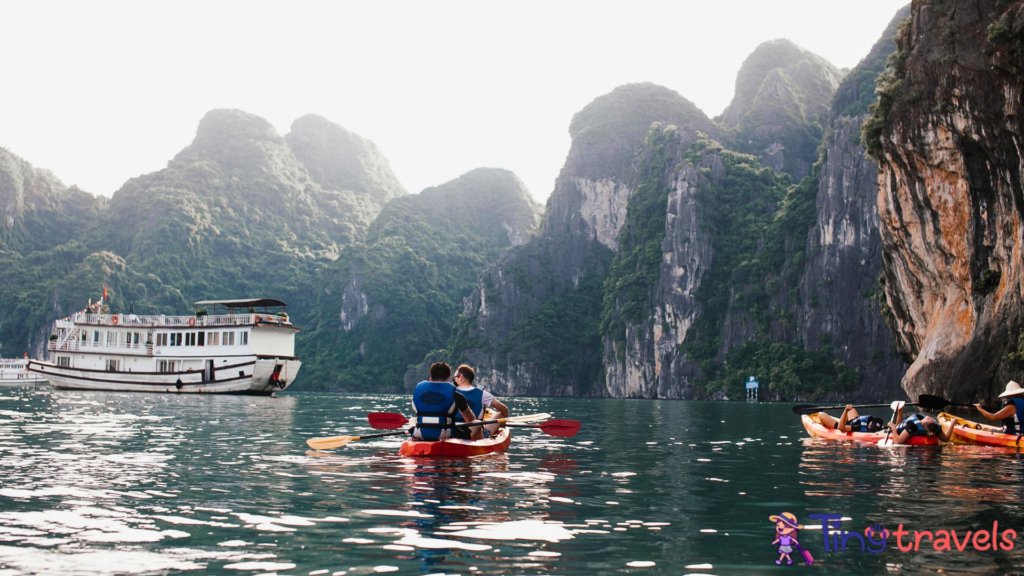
226	347
14	372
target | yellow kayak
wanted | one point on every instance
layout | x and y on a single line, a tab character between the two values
967	432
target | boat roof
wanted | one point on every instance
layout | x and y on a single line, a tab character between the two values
244	303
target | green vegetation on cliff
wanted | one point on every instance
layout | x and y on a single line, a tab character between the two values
390	300
757	222
636	267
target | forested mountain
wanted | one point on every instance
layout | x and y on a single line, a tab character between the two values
234	214
818	235
389	300
679	258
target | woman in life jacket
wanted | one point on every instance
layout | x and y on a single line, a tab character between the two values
437	404
479	399
917	425
1012	413
852	421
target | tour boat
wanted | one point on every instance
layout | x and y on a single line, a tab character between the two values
14	371
226	347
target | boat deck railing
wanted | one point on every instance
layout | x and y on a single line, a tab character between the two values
72	342
178	321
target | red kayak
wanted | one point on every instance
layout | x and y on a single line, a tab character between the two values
818	430
457	448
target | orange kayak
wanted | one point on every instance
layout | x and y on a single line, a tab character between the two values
818	430
458	448
967	432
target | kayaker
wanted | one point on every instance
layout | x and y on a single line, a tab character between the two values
1012	413
436	403
852	421
478	398
917	425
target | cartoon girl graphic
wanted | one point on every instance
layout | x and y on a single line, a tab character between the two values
786	527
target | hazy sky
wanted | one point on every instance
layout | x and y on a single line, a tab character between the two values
99	92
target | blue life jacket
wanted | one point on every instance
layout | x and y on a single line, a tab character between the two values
1015	424
475	397
865	424
910	424
434	403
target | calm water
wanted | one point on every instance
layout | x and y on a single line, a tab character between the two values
102	483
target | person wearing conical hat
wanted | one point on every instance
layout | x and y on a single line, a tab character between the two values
1012	413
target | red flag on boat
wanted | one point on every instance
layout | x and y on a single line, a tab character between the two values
104	293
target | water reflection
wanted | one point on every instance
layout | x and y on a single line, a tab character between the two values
94	483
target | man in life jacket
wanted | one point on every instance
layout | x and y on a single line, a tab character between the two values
437	403
478	398
852	421
917	425
1012	413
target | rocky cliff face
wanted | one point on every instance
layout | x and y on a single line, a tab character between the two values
839	291
948	136
386	302
781	105
532	326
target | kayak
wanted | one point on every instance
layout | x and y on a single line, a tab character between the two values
457	448
818	430
967	432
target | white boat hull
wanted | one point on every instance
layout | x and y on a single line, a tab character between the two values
245	376
30	380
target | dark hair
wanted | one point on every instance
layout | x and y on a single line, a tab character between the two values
440	371
932	427
466	372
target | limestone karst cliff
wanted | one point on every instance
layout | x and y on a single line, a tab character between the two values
390	299
705	262
841	306
781	105
533	323
947	133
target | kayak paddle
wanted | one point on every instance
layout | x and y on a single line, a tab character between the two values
937	403
394	420
387	420
329	442
811	409
560	428
896	405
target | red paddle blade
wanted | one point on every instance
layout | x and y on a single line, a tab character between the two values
560	428
387	420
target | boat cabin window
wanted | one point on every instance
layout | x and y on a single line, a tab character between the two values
213	338
166	366
202	339
95	336
113	365
161	339
190	339
64	361
228	338
244	338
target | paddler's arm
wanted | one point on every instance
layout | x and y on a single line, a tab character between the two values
501	408
947	433
1006	412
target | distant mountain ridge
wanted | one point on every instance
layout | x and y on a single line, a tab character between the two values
235	213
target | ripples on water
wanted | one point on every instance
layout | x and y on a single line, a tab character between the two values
100	483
